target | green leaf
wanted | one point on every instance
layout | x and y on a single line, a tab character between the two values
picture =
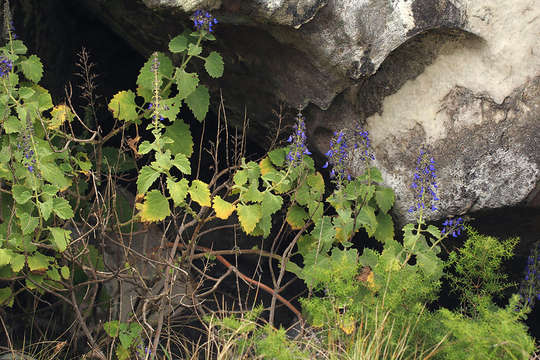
223	208
18	47
52	173
12	125
194	49
198	102
28	223
178	44
185	82
61	238
21	193
62	208
163	161
39	262
296	217
146	178
32	68
249	216
64	271
271	203
376	175
252	194
5	297
25	92
277	156
367	218
433	230
111	328
240	177
17	262
324	233
182	163
178	190
154	208
385	198
385	227
182	140
123	106
5	256
214	65
200	193
145	80
42	98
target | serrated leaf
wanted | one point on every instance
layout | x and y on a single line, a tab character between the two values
42	98
223	208
52	173
385	198
433	230
185	82
296	217
324	233
28	223
198	102
178	190
249	216
214	65
367	218
60	238
240	177
17	262
146	178
316	183
277	156
12	125
32	68
21	193
6	256
123	106
271	203
64	271
18	47
182	163
38	262
5	297
154	208
60	114
180	133
163	161
385	228
62	208
194	49
111	328
145	80
178	44
252	194
376	175
25	92
200	193
266	166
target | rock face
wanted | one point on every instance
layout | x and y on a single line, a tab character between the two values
459	77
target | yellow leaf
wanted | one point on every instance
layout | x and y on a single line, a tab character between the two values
223	208
60	114
266	166
154	208
347	324
200	193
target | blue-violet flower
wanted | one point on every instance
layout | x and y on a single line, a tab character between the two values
298	142
203	20
424	184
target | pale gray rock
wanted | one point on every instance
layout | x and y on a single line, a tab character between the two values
460	77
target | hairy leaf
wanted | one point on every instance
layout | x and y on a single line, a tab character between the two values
154	208
32	68
198	102
200	193
249	216
223	208
123	106
214	65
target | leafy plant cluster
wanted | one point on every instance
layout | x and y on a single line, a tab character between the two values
361	303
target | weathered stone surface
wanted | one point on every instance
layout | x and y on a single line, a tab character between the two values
460	77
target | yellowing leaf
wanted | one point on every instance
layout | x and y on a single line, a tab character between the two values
347	323
178	190
60	114
223	208
200	193
154	208
266	166
249	216
316	183
296	216
123	106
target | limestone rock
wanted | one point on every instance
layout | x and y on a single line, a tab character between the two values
460	77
